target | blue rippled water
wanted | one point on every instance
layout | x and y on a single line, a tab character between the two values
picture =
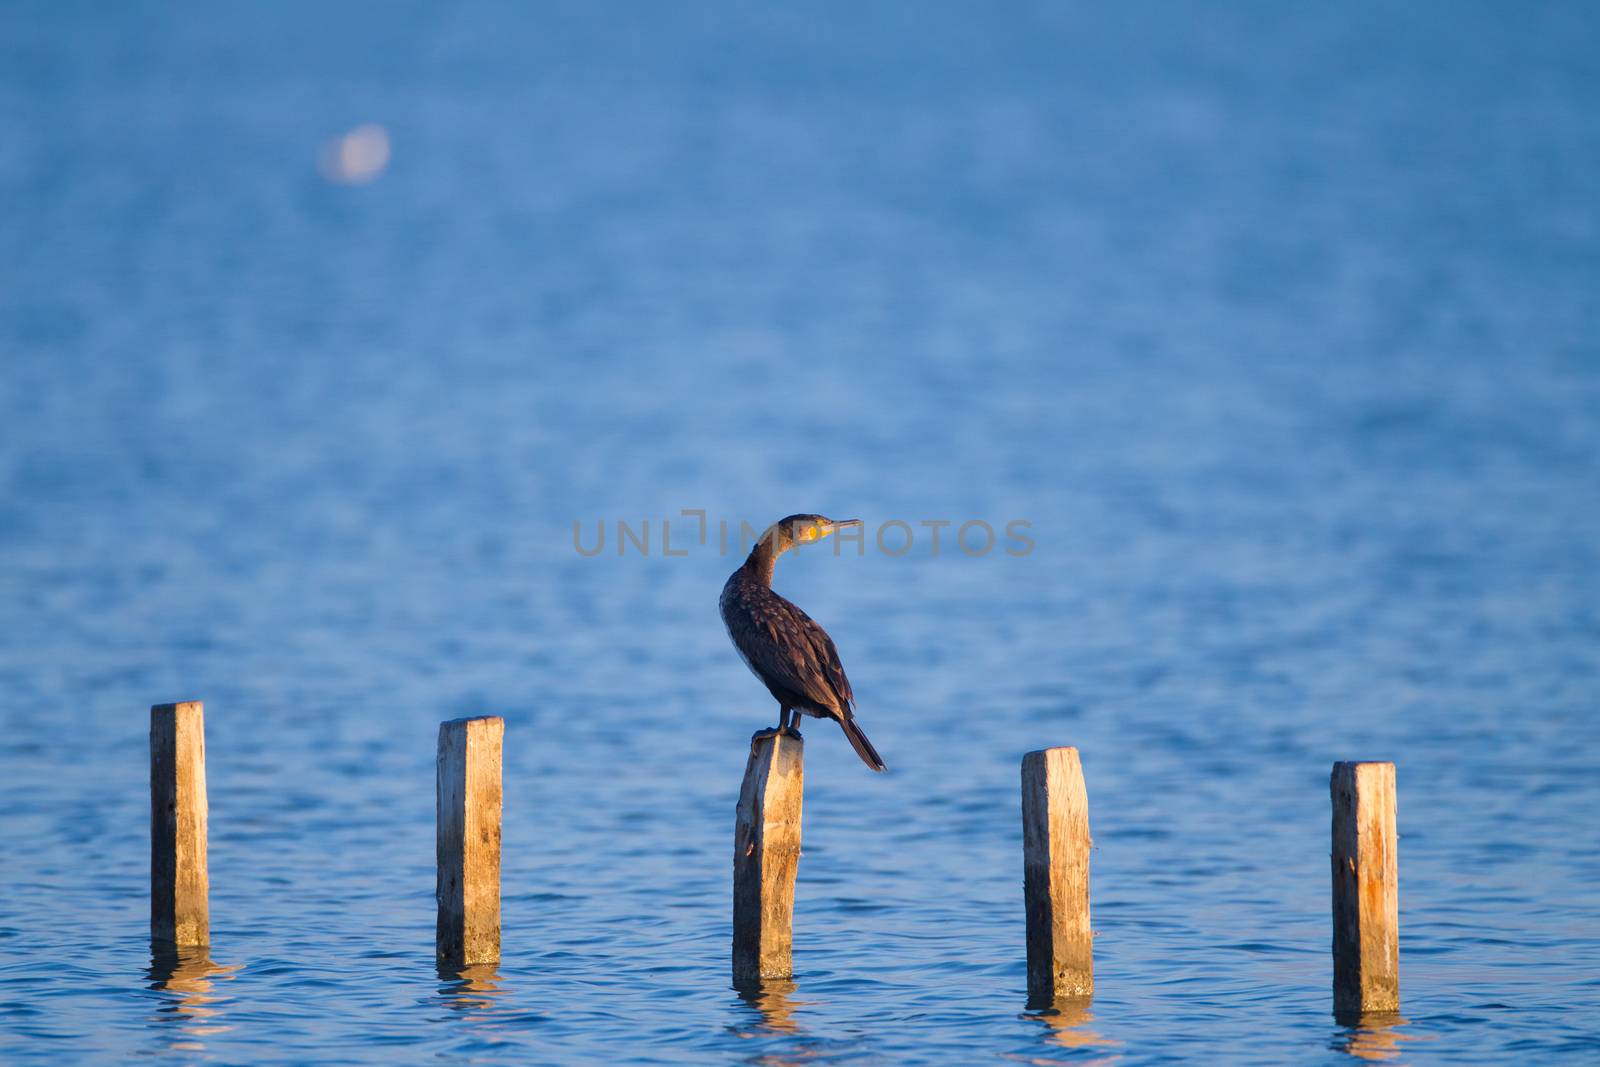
1277	323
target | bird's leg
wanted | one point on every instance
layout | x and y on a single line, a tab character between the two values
787	724
784	726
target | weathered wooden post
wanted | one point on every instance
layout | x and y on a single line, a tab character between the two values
1055	883
766	857
180	911
1366	889
468	840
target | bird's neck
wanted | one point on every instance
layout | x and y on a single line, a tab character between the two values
763	558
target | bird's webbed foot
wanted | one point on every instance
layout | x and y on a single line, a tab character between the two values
774	731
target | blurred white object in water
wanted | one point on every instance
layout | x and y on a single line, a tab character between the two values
356	157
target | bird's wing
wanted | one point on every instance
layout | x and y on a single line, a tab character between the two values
795	652
828	660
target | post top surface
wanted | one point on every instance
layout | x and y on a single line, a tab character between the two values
471	720
1365	767
179	705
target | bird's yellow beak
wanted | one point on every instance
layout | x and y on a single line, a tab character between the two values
817	531
823	529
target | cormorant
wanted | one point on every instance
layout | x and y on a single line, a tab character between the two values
780	644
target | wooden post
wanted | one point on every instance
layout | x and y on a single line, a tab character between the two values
1366	889
468	840
179	885
766	857
1055	869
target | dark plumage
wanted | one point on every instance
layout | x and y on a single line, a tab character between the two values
793	656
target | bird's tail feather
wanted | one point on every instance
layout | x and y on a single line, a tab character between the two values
863	747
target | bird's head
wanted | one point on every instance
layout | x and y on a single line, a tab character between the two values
795	530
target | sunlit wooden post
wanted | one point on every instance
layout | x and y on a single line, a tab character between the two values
179	884
766	858
468	840
1055	883
1366	889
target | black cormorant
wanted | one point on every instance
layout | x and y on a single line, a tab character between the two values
780	644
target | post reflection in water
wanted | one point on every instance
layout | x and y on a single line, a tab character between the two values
773	1000
188	975
1066	1023
474	989
1370	1036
